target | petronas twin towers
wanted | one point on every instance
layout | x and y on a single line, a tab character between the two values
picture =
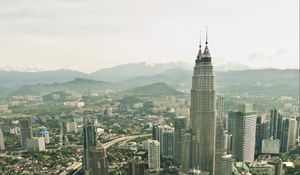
202	113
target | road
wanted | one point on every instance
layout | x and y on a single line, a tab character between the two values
126	138
74	166
106	145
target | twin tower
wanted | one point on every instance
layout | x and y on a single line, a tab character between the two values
202	113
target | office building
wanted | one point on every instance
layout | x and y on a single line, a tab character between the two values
288	135
275	123
244	128
167	142
137	166
97	160
154	155
202	112
226	165
262	132
277	163
186	154
2	146
26	130
35	144
180	126
270	146
220	106
89	140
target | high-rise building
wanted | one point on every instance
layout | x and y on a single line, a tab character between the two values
97	160
154	155
220	147
277	162
165	135
137	166
244	127
35	144
223	161
226	165
155	133
186	154
167	142
202	113
262	132
288	135
89	140
180	126
229	122
2	146
26	130
275	123
220	106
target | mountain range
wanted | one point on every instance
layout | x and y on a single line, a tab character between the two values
133	75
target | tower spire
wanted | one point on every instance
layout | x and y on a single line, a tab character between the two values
206	41
206	50
200	51
200	41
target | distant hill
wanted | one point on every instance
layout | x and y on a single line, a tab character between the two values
155	90
79	85
264	81
272	82
18	79
128	76
4	91
130	70
176	77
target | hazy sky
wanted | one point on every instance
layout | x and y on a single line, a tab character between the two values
87	35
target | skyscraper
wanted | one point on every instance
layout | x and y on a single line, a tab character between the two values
154	155
137	166
288	135
97	160
180	125
89	140
244	127
2	147
202	112
275	123
167	142
222	160
262	132
26	130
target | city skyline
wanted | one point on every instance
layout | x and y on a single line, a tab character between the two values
88	36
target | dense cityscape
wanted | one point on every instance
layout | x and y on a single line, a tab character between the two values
149	87
172	132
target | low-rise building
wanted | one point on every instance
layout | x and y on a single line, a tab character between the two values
35	144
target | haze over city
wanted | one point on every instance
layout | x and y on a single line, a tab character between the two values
149	87
89	35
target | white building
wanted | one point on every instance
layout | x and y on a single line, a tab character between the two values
71	127
270	146
45	134
292	134
244	128
35	144
154	155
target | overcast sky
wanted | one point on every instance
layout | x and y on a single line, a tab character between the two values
88	35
